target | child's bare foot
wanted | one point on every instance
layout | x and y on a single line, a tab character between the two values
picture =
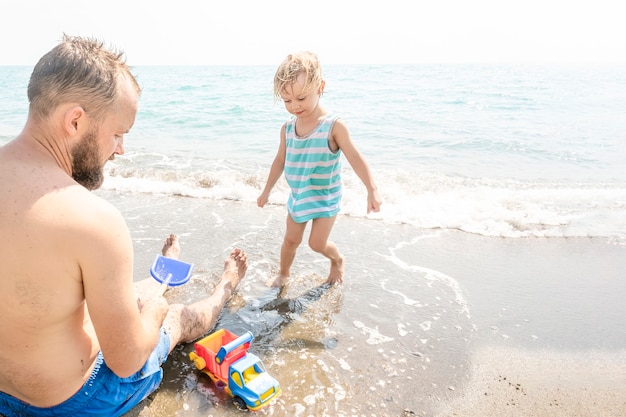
235	267
171	247
277	281
335	276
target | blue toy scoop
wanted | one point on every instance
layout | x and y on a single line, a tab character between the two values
170	272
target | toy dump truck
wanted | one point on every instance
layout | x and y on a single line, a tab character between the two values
224	357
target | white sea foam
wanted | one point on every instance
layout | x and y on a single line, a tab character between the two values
428	274
490	207
374	336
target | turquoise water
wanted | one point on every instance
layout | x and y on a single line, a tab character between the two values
508	151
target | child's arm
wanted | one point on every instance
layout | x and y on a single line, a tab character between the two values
275	171
341	137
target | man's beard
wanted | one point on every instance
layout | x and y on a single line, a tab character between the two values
86	167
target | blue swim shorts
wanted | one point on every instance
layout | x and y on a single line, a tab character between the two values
104	394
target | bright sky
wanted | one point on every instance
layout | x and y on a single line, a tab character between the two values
213	32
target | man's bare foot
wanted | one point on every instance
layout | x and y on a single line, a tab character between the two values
171	247
277	281
335	276
235	267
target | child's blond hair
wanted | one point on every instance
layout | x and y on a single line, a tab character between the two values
301	62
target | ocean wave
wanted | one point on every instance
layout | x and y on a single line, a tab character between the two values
484	206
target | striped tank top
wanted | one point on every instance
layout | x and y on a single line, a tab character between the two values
313	172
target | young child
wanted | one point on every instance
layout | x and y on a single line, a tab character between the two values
311	143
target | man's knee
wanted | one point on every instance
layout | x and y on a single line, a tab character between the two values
175	323
187	323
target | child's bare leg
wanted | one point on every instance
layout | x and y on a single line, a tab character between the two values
186	323
318	241
293	237
335	275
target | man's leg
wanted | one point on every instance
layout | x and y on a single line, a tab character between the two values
149	287
185	323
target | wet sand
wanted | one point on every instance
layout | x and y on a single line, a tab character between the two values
427	323
508	381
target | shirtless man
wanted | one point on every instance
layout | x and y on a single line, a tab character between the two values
71	325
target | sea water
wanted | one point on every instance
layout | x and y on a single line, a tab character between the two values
495	150
503	188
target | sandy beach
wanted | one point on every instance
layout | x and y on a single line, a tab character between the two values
430	324
508	381
549	317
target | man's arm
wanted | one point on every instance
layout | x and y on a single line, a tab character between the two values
126	335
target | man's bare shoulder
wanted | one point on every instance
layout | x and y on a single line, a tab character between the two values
79	200
77	209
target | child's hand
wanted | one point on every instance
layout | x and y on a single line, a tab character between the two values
262	200
373	202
